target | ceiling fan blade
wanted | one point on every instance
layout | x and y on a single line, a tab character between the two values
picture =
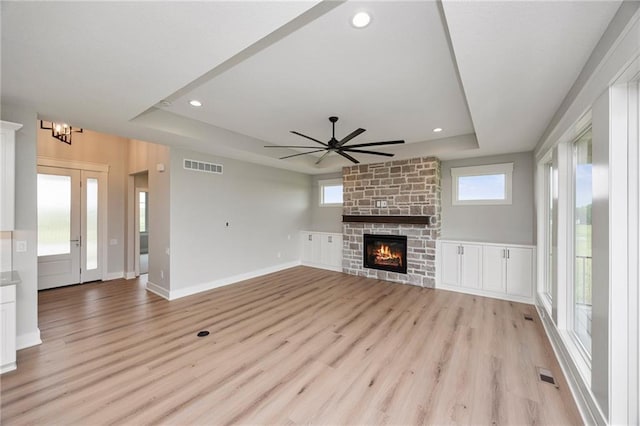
322	158
290	146
348	157
308	137
362	145
302	153
351	136
368	152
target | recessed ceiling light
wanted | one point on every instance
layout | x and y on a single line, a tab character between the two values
437	130
361	19
195	103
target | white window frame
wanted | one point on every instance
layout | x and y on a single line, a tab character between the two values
545	236
578	347
329	182
489	169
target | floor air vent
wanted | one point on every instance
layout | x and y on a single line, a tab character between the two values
201	166
546	376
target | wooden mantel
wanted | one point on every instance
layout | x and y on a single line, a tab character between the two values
404	220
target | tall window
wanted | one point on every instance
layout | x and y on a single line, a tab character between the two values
143	211
582	271
548	265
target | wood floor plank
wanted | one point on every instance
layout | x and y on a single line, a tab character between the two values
301	346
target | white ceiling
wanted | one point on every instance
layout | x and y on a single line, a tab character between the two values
262	69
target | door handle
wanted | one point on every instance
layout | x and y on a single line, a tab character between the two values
507	253
78	241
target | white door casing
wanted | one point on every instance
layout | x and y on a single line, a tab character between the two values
83	258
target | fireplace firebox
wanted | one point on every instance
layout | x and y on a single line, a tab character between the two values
385	252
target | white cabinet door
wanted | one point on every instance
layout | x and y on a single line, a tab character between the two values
327	249
471	268
306	240
493	269
335	251
450	263
7	174
519	271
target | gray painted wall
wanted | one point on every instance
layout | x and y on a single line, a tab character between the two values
324	219
144	158
264	207
25	220
501	224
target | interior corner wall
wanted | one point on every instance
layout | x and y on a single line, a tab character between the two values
113	151
26	222
243	221
160	175
324	218
513	224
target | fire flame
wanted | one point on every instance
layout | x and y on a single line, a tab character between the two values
384	255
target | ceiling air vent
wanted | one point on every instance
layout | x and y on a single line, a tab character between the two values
201	166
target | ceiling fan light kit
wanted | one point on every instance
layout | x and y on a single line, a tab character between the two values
338	146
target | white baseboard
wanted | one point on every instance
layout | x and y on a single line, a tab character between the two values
480	292
113	276
188	291
582	395
129	275
156	289
322	266
27	340
8	367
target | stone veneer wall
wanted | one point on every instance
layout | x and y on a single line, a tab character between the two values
410	188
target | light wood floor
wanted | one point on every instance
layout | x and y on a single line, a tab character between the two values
298	346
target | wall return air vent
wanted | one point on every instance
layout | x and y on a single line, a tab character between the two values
201	166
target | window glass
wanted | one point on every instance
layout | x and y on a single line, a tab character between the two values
143	211
54	214
484	187
582	275
92	224
331	192
549	184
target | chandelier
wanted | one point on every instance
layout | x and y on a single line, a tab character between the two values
60	131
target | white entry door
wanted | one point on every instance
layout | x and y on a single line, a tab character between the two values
69	231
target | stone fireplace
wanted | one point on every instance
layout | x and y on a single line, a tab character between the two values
398	198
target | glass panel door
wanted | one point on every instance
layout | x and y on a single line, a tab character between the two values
69	231
58	227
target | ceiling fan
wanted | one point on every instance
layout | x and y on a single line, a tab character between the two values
338	146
